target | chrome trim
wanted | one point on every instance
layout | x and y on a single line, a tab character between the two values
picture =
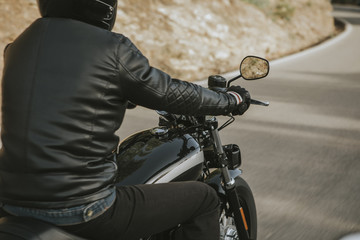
178	168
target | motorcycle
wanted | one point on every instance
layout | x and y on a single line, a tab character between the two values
180	148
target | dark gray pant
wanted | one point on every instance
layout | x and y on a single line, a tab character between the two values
142	210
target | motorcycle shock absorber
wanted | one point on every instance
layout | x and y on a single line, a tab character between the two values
230	187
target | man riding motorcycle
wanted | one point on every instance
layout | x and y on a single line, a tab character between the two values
67	81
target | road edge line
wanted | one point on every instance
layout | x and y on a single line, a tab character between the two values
323	45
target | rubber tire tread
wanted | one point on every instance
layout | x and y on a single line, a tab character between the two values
247	201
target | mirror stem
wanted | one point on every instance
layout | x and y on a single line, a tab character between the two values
233	79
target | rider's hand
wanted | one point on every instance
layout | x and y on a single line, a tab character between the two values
242	99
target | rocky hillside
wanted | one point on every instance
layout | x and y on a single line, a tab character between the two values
191	39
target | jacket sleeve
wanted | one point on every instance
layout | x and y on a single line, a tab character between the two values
6	47
152	88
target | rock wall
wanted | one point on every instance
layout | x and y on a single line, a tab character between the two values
191	39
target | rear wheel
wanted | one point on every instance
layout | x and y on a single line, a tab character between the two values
227	220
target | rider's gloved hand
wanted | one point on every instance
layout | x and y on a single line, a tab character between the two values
242	99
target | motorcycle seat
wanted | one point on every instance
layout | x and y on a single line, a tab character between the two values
24	228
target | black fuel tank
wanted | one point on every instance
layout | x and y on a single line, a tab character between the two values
148	153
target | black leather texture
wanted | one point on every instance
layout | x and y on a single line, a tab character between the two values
65	90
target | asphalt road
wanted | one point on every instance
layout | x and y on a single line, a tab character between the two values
301	155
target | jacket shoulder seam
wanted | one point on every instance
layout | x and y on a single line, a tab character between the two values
130	73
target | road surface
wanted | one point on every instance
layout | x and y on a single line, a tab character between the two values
301	155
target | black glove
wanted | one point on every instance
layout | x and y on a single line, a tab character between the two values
243	102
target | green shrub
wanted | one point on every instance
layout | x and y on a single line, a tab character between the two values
258	3
283	10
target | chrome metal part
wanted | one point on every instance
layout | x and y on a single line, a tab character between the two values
159	131
227	228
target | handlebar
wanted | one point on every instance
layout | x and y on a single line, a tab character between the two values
260	103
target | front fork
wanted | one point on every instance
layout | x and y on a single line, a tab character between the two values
230	187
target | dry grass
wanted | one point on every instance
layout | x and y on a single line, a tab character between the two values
191	39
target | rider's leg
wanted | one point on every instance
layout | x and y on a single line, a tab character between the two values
140	211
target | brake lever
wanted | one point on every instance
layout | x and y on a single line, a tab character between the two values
261	103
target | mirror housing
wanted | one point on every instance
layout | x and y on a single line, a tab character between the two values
252	68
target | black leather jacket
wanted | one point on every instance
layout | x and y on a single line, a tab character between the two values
65	89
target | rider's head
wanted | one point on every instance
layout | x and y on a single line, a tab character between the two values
101	13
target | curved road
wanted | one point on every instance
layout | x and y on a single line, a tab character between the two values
301	155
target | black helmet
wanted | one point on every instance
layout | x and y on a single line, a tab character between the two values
101	13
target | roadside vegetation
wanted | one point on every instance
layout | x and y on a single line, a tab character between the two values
191	39
280	9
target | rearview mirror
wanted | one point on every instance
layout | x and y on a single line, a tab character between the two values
252	68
